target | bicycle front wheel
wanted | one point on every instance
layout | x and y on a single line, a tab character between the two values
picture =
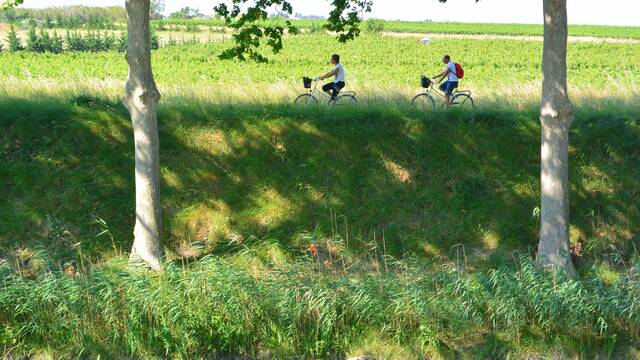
423	102
305	100
463	100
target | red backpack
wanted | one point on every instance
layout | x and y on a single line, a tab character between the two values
459	71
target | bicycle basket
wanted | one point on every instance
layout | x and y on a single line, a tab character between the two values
425	82
307	82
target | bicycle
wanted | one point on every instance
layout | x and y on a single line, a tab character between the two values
425	101
310	98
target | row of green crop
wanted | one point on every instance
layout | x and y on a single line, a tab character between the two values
43	42
370	61
632	32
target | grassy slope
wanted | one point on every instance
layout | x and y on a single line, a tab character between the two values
233	172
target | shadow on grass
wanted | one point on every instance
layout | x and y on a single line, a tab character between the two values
231	173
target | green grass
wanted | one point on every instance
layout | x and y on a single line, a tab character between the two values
215	307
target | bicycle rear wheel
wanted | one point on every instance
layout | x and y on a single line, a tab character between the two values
423	102
347	100
463	101
305	100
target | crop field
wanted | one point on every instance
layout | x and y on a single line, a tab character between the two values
379	65
323	232
623	32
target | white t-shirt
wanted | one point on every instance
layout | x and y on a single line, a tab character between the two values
452	73
340	75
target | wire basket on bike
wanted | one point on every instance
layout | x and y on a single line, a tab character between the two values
307	82
425	82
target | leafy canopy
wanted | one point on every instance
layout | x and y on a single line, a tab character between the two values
251	23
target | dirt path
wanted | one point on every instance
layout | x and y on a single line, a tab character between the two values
584	39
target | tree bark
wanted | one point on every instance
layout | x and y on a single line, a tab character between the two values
556	115
141	99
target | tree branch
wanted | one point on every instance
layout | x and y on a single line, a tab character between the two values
8	4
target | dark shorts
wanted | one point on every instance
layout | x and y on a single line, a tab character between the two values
335	87
448	86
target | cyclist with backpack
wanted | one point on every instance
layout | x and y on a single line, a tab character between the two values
454	73
334	87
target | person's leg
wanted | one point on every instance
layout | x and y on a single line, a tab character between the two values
452	85
328	88
336	89
444	87
334	92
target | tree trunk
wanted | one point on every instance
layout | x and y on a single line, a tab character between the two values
556	115
141	99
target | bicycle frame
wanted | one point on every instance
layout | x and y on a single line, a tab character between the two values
433	90
319	93
323	95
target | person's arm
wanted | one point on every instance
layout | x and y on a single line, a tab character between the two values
442	75
329	74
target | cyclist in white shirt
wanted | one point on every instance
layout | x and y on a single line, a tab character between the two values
333	88
452	79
